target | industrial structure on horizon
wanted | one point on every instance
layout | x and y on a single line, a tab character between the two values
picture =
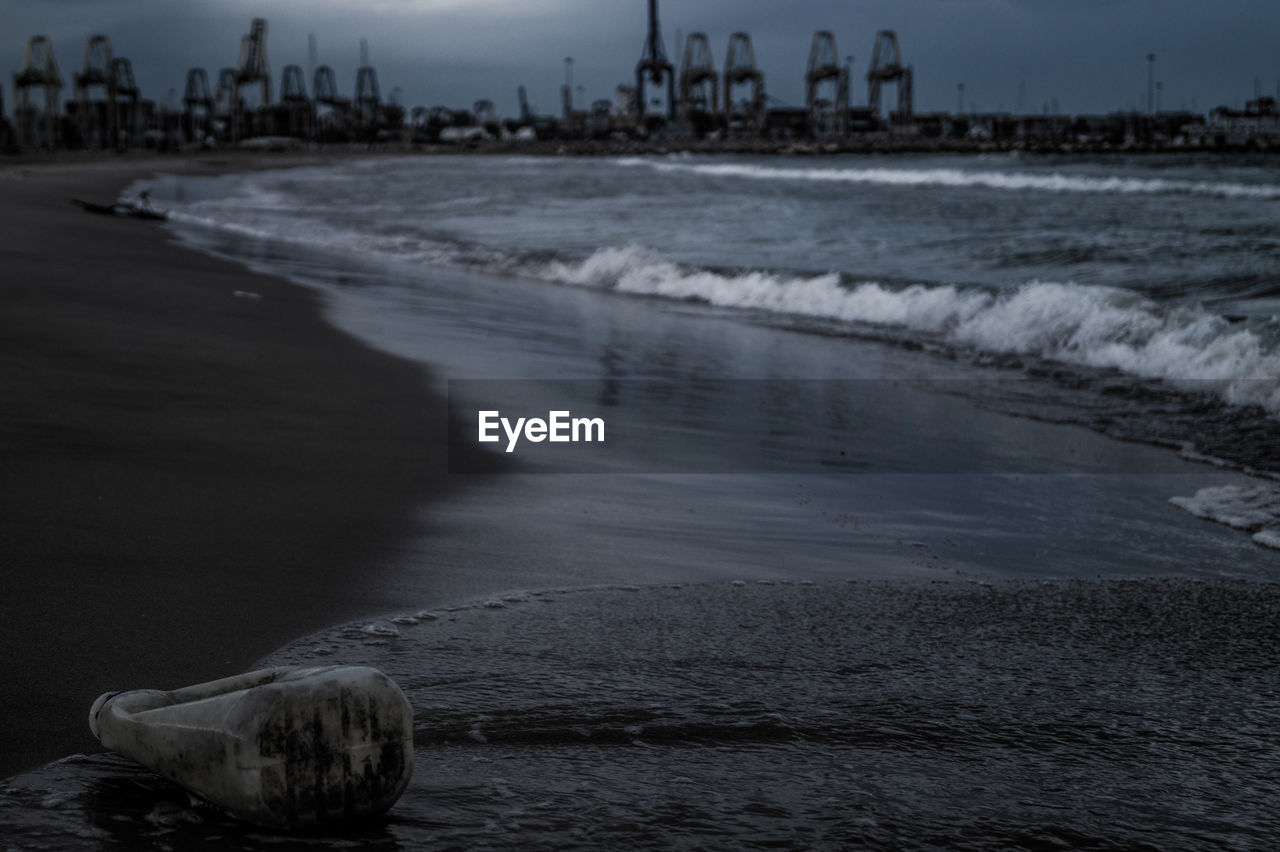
696	99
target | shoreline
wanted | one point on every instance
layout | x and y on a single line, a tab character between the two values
982	695
284	152
191	478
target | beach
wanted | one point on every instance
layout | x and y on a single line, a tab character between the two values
196	467
900	535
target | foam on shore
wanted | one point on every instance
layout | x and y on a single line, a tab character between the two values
1253	509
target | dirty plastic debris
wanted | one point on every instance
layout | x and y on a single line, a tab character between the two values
280	747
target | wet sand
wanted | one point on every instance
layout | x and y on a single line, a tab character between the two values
189	476
946	714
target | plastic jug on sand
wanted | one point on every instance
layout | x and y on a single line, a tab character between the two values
279	747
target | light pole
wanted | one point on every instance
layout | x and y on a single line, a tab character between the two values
1151	85
959	98
567	92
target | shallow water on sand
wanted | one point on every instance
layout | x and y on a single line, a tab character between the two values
898	451
1058	714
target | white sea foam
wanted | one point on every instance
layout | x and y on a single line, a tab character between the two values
1254	509
1016	181
1268	537
1088	325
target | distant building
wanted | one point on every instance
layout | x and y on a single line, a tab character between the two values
992	126
1044	129
623	118
786	122
1258	125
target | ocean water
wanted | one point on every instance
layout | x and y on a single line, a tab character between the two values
938	507
1137	297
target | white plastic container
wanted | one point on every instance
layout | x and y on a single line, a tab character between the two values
279	747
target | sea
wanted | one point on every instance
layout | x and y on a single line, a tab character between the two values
936	505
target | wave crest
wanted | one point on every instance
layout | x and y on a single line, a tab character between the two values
1101	327
990	179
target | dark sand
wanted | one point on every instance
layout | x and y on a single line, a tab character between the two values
188	479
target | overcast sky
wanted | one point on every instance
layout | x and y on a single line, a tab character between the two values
1088	54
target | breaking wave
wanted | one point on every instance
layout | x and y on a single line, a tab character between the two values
1100	327
1254	509
1015	181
